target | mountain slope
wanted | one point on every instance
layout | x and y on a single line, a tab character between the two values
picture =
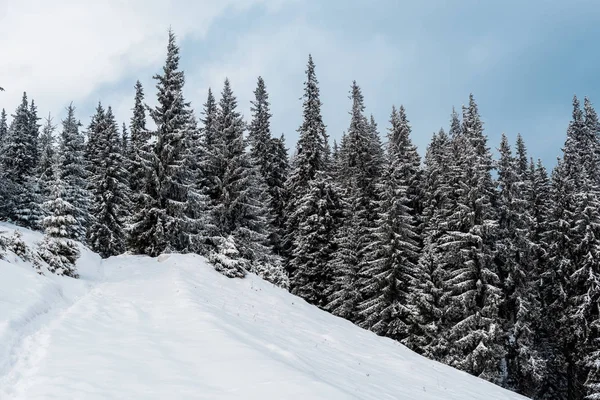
172	327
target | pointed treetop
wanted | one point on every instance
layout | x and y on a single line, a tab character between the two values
455	127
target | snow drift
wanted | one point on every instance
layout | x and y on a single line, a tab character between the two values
171	327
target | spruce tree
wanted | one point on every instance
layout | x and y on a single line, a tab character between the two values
361	174
106	234
430	295
472	325
3	127
73	175
57	249
311	157
168	181
318	215
241	209
516	258
390	275
138	147
48	160
20	159
211	163
280	168
270	157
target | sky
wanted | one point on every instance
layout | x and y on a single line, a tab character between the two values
523	61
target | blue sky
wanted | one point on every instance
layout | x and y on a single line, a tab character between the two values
523	61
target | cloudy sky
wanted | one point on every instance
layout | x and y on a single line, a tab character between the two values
523	61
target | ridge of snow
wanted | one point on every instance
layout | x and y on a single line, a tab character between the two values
172	327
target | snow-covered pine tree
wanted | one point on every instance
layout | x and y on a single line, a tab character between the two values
124	139
571	282
472	325
280	168
138	147
72	173
126	155
47	164
108	186
57	248
270	157
241	210
391	271
516	258
201	228
429	297
318	216
168	181
19	161
212	143
359	187
311	157
3	127
93	143
344	295
378	151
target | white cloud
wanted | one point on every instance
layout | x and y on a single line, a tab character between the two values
65	50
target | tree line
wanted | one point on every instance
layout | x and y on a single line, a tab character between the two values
496	274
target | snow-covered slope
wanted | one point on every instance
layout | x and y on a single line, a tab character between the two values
172	328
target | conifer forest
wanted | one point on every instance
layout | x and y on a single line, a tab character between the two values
488	264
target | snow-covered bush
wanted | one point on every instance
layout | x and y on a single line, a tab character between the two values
226	259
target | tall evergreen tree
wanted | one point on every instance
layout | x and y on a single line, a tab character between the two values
270	157
361	175
430	295
311	158
72	174
168	181
138	146
106	234
48	160
241	210
472	283
318	215
516	257
60	225
390	275
20	158
3	127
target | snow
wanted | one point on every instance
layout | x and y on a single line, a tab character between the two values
136	327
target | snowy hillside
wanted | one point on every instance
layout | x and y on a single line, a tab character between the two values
146	328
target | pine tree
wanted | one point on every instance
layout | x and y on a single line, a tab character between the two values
390	275
124	140
344	295
472	325
167	181
57	249
516	259
241	210
138	147
48	160
430	295
20	159
72	174
270	157
106	234
212	163
280	168
311	158
3	127
361	175
318	215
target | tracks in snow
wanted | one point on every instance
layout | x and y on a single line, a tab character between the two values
26	339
